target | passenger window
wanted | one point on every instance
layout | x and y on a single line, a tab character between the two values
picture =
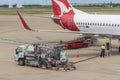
118	25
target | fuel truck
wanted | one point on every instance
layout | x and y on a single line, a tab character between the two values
42	56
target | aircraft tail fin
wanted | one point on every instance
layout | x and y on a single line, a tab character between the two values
23	22
61	7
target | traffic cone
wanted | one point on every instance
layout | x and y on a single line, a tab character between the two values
78	56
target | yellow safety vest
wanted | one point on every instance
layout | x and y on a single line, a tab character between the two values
107	40
26	47
103	47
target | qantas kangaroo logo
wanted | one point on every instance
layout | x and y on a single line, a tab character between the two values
64	9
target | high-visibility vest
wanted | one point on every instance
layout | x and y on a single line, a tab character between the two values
107	40
103	47
26	47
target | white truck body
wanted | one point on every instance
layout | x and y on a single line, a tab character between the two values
19	52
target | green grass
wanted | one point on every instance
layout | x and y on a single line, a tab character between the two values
48	10
7	11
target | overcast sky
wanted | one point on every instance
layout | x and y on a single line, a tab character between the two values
49	1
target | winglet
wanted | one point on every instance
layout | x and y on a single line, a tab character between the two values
23	22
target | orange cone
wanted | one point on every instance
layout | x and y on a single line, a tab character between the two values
78	56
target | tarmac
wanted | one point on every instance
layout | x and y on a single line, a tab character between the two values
107	68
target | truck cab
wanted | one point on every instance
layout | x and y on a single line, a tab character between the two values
19	54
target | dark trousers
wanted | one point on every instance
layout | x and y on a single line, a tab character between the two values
102	53
108	46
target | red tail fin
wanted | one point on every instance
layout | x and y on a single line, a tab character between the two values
23	21
61	7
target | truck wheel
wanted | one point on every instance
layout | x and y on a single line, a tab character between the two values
74	67
47	65
44	64
21	62
65	67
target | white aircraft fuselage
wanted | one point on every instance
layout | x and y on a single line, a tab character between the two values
98	23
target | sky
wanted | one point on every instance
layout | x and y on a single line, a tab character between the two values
44	2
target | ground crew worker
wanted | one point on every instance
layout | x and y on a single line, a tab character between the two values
57	53
103	50
108	45
57	56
